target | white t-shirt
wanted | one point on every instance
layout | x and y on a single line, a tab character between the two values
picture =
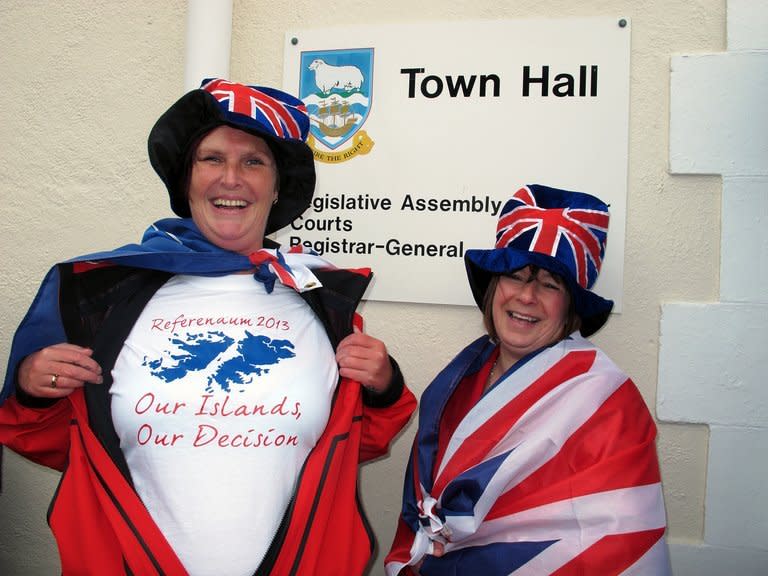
220	392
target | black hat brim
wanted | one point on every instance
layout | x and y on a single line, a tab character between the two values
192	117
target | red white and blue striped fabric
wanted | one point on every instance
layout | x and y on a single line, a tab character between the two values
292	269
277	112
553	471
575	234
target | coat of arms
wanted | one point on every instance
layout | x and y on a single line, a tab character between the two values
336	87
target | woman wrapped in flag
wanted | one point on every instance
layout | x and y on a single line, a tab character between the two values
207	396
534	453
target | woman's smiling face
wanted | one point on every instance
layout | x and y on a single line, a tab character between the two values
232	187
529	312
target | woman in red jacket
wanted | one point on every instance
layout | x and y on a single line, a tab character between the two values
207	396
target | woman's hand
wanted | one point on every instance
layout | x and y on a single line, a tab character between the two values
438	549
364	358
56	371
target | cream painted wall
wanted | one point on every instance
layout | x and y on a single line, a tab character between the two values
85	81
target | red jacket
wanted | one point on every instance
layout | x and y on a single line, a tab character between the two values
102	527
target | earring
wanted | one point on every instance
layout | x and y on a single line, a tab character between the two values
275	200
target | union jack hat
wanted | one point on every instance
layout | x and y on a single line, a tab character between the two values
277	117
560	231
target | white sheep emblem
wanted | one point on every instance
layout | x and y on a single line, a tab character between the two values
328	77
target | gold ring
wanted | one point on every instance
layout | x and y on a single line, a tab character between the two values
54	378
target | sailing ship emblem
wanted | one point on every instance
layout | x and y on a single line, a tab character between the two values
336	118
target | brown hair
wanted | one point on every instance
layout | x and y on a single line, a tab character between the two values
572	320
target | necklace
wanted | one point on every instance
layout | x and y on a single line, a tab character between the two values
491	379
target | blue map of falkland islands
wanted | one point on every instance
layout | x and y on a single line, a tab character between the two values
213	352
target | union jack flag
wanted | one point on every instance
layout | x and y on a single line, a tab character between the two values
572	228
292	269
552	471
275	111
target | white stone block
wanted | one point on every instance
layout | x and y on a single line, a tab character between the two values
712	364
744	246
718	114
737	488
747	24
703	560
